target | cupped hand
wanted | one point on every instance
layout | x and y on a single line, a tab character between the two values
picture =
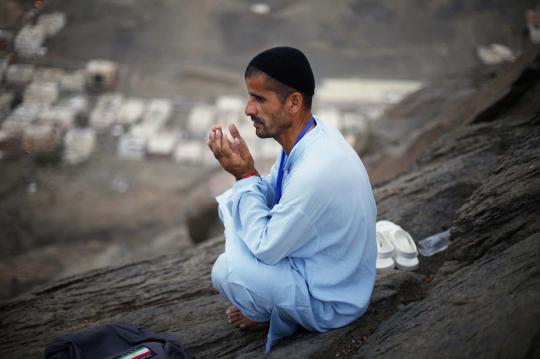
233	155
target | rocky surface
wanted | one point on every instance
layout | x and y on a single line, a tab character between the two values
387	152
479	177
485	299
170	294
407	131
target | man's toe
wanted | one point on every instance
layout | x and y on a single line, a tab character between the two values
231	309
235	320
235	316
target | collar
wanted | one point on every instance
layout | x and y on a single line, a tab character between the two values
301	146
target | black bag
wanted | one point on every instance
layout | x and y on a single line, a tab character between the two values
116	341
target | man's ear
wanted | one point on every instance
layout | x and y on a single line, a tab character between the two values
296	101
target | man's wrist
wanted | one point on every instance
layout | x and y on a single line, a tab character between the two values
248	175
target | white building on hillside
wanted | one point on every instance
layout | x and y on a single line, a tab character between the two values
189	152
79	144
29	40
357	91
52	23
106	111
157	112
533	23
200	119
230	109
101	74
42	92
61	116
162	145
131	111
132	146
19	74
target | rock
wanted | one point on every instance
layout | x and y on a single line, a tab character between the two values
170	294
478	176
506	202
488	305
202	217
484	301
488	309
459	161
415	111
201	221
446	175
491	100
441	182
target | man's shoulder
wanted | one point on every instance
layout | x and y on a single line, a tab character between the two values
329	166
330	152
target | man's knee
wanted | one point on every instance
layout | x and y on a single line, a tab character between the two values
219	272
268	283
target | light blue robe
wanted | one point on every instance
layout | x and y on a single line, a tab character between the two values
310	259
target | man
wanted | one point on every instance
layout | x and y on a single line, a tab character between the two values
300	245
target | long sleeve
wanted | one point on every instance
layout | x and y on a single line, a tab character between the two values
269	185
272	234
265	189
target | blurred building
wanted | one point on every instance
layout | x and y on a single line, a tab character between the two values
101	75
533	23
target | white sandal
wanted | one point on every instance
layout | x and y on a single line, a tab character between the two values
385	253
405	253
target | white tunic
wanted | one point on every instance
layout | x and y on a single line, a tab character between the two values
310	259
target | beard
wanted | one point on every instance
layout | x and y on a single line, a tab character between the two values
271	125
260	130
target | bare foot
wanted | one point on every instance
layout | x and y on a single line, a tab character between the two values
239	320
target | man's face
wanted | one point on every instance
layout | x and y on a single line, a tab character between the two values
265	108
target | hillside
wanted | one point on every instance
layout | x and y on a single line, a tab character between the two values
475	170
174	47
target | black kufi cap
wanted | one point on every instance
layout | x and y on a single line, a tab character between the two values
287	65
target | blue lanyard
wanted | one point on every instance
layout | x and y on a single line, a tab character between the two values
279	183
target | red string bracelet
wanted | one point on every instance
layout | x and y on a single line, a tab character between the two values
252	174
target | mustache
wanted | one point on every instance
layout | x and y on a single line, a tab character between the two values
257	120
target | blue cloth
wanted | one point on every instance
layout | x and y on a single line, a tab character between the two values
310	259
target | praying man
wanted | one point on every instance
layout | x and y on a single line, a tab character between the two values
300	247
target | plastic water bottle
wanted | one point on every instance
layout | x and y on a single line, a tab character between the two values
434	244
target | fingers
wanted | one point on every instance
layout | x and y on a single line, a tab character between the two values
234	131
226	145
221	146
238	144
234	156
212	135
215	140
236	138
218	136
210	141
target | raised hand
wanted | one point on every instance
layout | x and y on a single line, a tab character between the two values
234	156
238	144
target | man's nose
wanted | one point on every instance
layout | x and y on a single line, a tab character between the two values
250	109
